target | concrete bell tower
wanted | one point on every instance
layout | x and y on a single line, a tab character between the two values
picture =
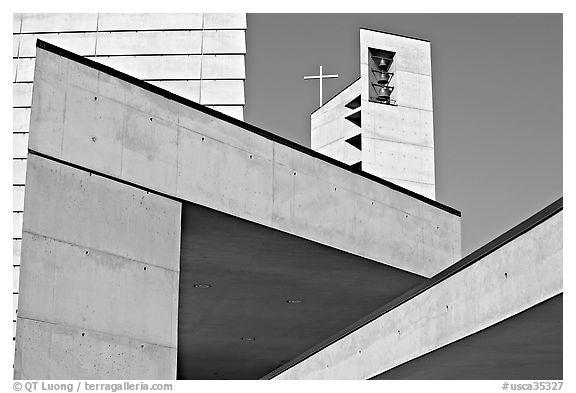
383	122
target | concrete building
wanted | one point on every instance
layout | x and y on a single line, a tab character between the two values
382	123
197	56
495	314
164	239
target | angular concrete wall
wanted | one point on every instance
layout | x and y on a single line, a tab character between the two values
330	129
101	122
98	280
399	140
515	277
526	346
198	56
111	156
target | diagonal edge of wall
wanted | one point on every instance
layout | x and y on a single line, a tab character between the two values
329	128
99	278
514	272
181	149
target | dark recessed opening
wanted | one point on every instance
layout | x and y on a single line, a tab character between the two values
355	103
355	118
381	70
355	141
254	269
357	167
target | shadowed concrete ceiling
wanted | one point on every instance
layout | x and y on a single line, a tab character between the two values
253	271
527	346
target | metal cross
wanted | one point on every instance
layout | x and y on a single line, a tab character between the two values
321	76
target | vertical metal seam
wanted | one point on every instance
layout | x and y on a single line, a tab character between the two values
18	52
96	37
201	60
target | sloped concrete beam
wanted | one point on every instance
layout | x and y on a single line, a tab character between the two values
517	276
186	151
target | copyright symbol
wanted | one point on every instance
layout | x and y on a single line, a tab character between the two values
17	386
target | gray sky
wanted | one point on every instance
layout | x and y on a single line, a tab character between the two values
497	90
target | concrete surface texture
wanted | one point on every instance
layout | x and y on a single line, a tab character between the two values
99	278
197	56
397	141
101	122
526	346
513	278
330	129
111	159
